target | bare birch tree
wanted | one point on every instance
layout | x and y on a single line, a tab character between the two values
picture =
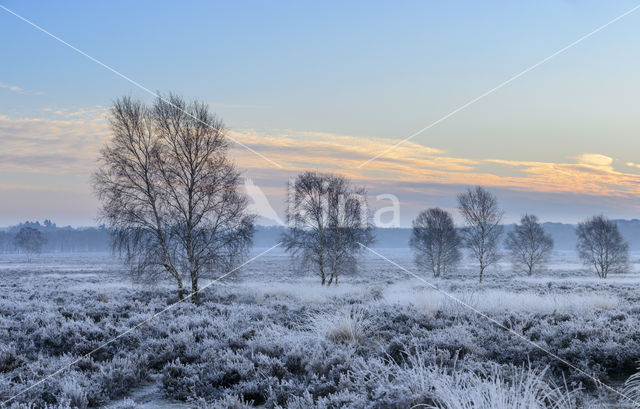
482	216
601	246
327	220
435	241
30	241
170	193
528	245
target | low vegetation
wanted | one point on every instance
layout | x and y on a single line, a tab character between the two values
374	342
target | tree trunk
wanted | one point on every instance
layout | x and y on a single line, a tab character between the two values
323	277
180	289
194	290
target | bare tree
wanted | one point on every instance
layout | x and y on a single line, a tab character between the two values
529	246
601	246
170	193
30	241
327	219
435	241
482	216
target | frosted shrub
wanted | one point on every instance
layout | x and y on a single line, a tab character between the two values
73	394
305	401
228	401
179	380
122	374
393	385
420	382
458	339
9	358
78	385
348	325
343	399
217	371
416	371
525	390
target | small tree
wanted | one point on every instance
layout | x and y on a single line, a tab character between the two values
482	216
327	220
30	241
528	245
435	241
601	246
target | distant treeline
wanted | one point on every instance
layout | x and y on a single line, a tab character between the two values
60	239
97	239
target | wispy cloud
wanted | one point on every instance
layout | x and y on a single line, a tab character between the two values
586	173
17	89
69	142
596	160
97	113
44	145
12	88
591	174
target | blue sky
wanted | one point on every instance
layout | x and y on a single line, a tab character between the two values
339	74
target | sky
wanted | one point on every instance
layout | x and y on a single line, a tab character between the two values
329	85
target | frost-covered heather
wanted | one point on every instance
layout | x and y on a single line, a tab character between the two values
271	339
493	300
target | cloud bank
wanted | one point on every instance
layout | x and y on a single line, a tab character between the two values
67	144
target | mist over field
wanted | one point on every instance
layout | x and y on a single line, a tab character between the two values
269	336
97	239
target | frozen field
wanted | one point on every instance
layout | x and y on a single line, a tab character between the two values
381	339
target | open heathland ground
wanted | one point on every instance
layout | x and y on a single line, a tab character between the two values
269	337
